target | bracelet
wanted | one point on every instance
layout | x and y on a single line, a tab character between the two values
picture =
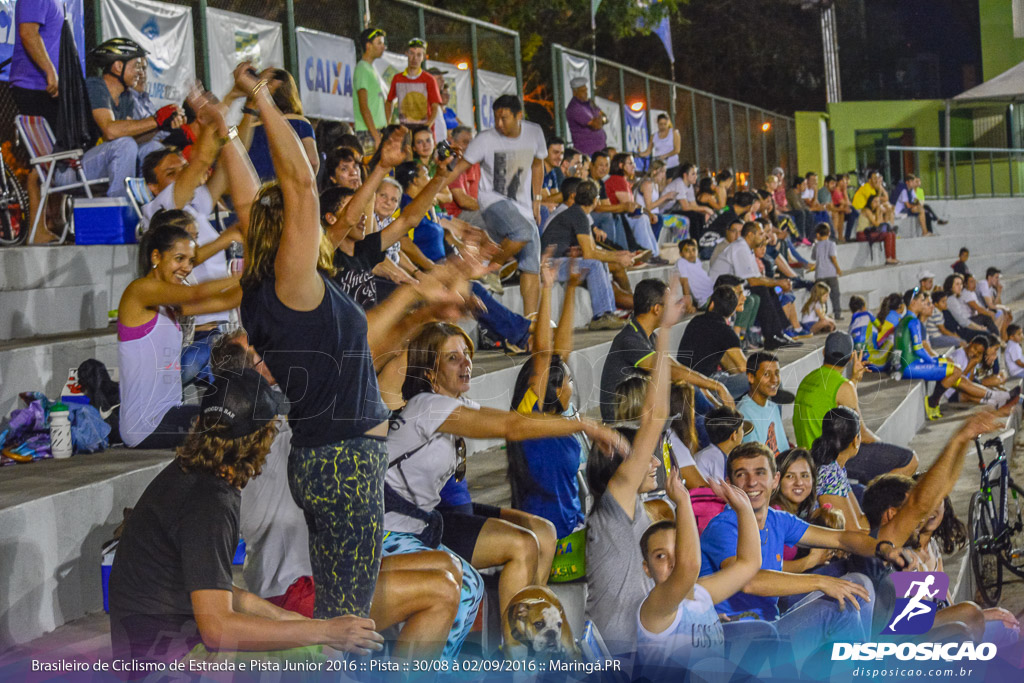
232	135
260	85
250	111
878	548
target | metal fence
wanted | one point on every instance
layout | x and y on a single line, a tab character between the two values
955	172
716	132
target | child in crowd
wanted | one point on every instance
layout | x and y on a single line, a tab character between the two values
960	265
677	622
814	315
826	266
941	327
1014	355
696	283
726	429
860	320
879	337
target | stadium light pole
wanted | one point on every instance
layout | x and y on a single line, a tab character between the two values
830	45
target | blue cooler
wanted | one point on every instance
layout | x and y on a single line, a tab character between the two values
104	220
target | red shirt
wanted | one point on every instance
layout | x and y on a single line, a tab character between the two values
468	182
416	97
616	184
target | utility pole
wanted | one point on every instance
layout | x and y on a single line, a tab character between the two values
830	45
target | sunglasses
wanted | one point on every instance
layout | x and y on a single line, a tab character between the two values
376	32
460	459
417	42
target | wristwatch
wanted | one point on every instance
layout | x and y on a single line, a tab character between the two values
232	135
538	197
878	549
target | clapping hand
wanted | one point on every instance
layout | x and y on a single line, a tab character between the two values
675	487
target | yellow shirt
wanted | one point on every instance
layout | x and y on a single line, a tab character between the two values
861	197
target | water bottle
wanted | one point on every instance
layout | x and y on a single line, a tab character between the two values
60	431
896	364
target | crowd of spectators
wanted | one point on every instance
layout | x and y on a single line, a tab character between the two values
348	479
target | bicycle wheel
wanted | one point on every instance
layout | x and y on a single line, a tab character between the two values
988	570
14	225
1011	548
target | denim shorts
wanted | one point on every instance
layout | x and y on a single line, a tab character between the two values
504	221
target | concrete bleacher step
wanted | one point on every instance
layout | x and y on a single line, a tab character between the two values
942	247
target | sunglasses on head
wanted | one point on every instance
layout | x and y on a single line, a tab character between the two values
417	42
460	459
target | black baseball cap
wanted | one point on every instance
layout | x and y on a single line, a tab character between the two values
240	403
838	348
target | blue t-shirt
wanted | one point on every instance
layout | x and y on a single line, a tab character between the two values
259	150
859	326
718	543
767	423
553	179
552	463
428	235
450	119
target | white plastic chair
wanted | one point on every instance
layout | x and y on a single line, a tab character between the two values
35	132
139	195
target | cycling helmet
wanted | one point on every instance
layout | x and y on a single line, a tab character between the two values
116	50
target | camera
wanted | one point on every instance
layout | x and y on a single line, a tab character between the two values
444	151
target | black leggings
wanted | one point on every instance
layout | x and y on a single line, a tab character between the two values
340	488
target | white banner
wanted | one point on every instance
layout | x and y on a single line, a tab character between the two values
165	31
235	38
612	129
490	86
460	86
652	119
326	65
574	67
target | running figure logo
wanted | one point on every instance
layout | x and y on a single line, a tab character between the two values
918	595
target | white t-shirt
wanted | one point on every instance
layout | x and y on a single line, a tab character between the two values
710	462
273	526
419	477
701	286
506	166
695	633
808	195
811	316
959	359
201	206
1014	354
679	187
968	297
684	458
738	259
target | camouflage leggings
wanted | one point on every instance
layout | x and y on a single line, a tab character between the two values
340	488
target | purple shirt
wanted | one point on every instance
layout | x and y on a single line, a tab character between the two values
585	139
50	17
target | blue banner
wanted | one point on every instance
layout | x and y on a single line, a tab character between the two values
637	134
8	31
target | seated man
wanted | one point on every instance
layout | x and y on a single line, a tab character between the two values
843	608
632	350
711	347
171	587
570	229
908	205
758	407
990	293
695	281
917	363
726	430
825	388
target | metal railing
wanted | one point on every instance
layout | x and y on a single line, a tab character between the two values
716	131
955	172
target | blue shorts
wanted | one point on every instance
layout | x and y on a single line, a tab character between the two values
929	372
786	298
504	221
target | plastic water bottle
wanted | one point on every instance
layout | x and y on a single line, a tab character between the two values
60	431
896	364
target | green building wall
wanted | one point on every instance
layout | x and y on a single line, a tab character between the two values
999	49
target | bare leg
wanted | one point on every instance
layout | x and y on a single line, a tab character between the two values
546	535
964	386
790	311
967	613
502	543
427	600
529	286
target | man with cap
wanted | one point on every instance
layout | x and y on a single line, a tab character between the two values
171	584
586	120
825	388
370	88
415	91
926	281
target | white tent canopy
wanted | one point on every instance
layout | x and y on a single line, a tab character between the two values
1007	86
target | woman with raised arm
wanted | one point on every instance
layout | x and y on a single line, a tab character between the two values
149	338
321	346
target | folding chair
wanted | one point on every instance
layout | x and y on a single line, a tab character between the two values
139	195
35	132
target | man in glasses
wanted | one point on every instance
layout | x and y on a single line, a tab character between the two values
416	92
369	87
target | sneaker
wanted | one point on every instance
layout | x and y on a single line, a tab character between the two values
995	398
642	256
658	261
492	282
606	322
622	314
929	412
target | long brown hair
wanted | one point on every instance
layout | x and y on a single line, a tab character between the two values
286	95
206	449
424	353
266	225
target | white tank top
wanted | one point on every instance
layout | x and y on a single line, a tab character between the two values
664	145
149	361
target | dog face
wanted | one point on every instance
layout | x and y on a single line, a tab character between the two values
536	623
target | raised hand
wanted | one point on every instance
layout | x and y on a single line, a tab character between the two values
576	274
611	440
392	151
674	308
245	77
675	487
548	271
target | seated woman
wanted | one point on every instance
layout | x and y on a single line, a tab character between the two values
917	363
542	472
707	195
149	338
814	316
426	446
872	228
798	495
615	577
838	444
285	94
170	587
650	195
619	188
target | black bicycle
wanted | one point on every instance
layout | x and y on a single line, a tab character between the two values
14	225
996	522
